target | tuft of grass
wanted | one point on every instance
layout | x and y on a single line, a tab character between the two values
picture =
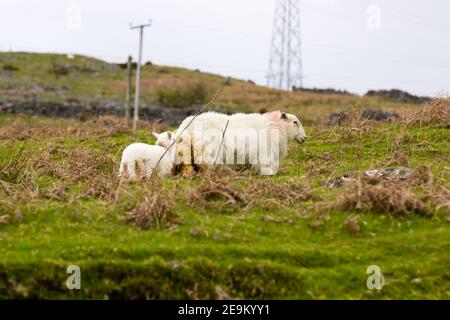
436	112
385	197
13	165
156	210
225	195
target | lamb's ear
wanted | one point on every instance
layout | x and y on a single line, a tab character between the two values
156	135
283	116
169	134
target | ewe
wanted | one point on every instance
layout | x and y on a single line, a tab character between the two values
141	159
259	140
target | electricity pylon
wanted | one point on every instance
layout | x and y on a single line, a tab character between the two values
285	65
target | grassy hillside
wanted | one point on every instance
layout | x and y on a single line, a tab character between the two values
55	78
221	234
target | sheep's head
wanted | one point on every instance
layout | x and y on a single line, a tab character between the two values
164	139
293	126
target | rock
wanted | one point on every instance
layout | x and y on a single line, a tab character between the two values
390	173
378	115
333	183
73	108
368	114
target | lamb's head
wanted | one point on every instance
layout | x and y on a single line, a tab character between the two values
289	122
164	139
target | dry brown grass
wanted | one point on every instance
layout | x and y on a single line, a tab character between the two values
21	168
156	210
280	194
75	165
440	196
227	190
398	159
106	187
98	127
9	213
13	165
217	194
437	112
397	195
385	197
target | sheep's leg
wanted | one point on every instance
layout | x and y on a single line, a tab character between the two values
266	171
185	156
187	170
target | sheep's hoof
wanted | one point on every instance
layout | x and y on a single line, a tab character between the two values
267	171
187	171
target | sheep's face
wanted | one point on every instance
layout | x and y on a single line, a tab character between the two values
293	127
164	139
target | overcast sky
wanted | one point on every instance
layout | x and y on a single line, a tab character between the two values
347	44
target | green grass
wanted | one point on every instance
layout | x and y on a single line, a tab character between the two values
232	249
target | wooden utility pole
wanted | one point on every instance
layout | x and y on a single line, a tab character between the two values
128	98
138	72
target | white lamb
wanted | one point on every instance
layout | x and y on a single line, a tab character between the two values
142	158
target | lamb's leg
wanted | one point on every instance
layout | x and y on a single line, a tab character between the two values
127	170
131	170
123	170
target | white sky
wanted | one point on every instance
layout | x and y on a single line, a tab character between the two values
410	50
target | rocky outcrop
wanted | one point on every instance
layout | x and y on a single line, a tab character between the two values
368	114
397	96
77	109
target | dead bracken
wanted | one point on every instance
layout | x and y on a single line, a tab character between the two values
155	211
385	197
227	195
436	112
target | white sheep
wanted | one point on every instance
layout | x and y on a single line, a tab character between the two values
142	158
256	139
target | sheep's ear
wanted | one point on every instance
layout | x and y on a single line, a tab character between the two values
156	135
283	116
169	134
